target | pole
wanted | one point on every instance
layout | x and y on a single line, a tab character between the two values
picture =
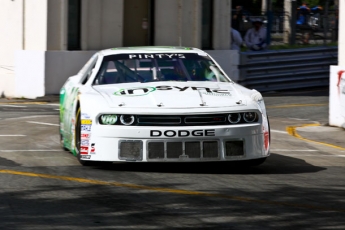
269	20
293	22
325	23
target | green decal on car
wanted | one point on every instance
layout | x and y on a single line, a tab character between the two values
138	91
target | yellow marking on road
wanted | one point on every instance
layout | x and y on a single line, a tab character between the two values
293	132
24	103
294	105
170	190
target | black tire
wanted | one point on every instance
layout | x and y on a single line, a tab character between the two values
77	139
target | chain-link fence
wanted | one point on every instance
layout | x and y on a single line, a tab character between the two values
319	27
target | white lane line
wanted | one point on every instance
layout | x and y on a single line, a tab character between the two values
57	109
15	106
42	123
52	104
30	150
295	150
298	119
12	135
278	131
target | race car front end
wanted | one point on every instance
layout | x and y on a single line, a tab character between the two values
185	137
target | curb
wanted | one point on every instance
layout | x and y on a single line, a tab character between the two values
291	130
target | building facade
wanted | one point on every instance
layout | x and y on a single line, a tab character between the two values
76	28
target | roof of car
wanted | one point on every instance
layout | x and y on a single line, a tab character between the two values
151	49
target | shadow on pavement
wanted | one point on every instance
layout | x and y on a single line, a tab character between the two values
275	164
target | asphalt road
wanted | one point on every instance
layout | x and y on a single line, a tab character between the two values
300	186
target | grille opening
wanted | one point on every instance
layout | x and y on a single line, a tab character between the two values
159	120
156	150
208	119
193	149
234	148
210	149
174	149
131	150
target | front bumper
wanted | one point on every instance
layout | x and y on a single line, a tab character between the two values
176	144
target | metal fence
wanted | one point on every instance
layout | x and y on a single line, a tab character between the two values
287	69
323	26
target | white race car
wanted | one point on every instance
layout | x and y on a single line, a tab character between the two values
160	104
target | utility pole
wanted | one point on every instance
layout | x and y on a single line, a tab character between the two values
269	20
293	22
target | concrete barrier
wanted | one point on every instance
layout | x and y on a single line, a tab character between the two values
337	96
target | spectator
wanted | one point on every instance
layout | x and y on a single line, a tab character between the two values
255	38
302	22
303	12
237	18
236	39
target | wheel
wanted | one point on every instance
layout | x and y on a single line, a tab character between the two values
77	139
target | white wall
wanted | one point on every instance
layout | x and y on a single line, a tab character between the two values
11	38
29	72
102	24
35	24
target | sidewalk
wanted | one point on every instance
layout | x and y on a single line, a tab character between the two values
48	99
324	134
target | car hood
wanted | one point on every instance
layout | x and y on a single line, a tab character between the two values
172	95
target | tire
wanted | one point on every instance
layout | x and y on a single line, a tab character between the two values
77	140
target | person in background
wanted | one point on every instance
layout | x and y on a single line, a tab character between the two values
303	12
237	18
236	40
302	22
255	38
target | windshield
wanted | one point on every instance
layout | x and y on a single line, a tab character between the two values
126	68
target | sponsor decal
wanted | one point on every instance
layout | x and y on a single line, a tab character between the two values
93	149
85	116
85	136
86	128
85	157
84	150
86	122
218	94
141	91
84	143
108	119
183	133
154	56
